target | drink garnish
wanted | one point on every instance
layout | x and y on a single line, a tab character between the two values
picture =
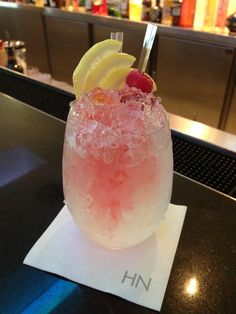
98	64
106	67
140	80
109	66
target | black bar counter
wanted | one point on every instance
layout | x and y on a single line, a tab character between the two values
31	144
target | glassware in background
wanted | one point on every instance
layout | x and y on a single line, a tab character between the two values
19	52
12	63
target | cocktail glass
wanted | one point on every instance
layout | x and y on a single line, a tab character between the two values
117	166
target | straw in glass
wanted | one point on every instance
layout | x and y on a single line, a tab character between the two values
147	46
118	36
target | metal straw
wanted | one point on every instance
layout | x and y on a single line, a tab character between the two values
118	36
147	46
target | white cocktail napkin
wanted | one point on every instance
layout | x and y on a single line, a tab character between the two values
139	274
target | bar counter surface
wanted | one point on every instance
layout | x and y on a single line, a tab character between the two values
31	145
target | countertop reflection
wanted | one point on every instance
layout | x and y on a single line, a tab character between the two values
203	132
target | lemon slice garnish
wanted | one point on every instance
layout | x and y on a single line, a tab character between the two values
115	79
109	72
91	60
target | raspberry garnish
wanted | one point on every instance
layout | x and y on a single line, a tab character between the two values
139	80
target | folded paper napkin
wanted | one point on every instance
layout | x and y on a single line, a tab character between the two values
138	274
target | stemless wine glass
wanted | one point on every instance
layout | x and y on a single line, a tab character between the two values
117	167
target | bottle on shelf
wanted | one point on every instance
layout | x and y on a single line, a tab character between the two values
110	7
231	7
75	4
97	6
176	12
39	3
221	15
187	13
125	8
58	3
49	3
146	7
135	10
69	5
210	15
104	7
156	13
167	12
12	61
200	9
114	8
88	5
3	54
54	3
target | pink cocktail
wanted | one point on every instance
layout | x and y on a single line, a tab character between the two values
117	165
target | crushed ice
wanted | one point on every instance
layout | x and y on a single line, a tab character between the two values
114	125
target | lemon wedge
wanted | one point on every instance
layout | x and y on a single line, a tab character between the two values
115	79
110	72
91	60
